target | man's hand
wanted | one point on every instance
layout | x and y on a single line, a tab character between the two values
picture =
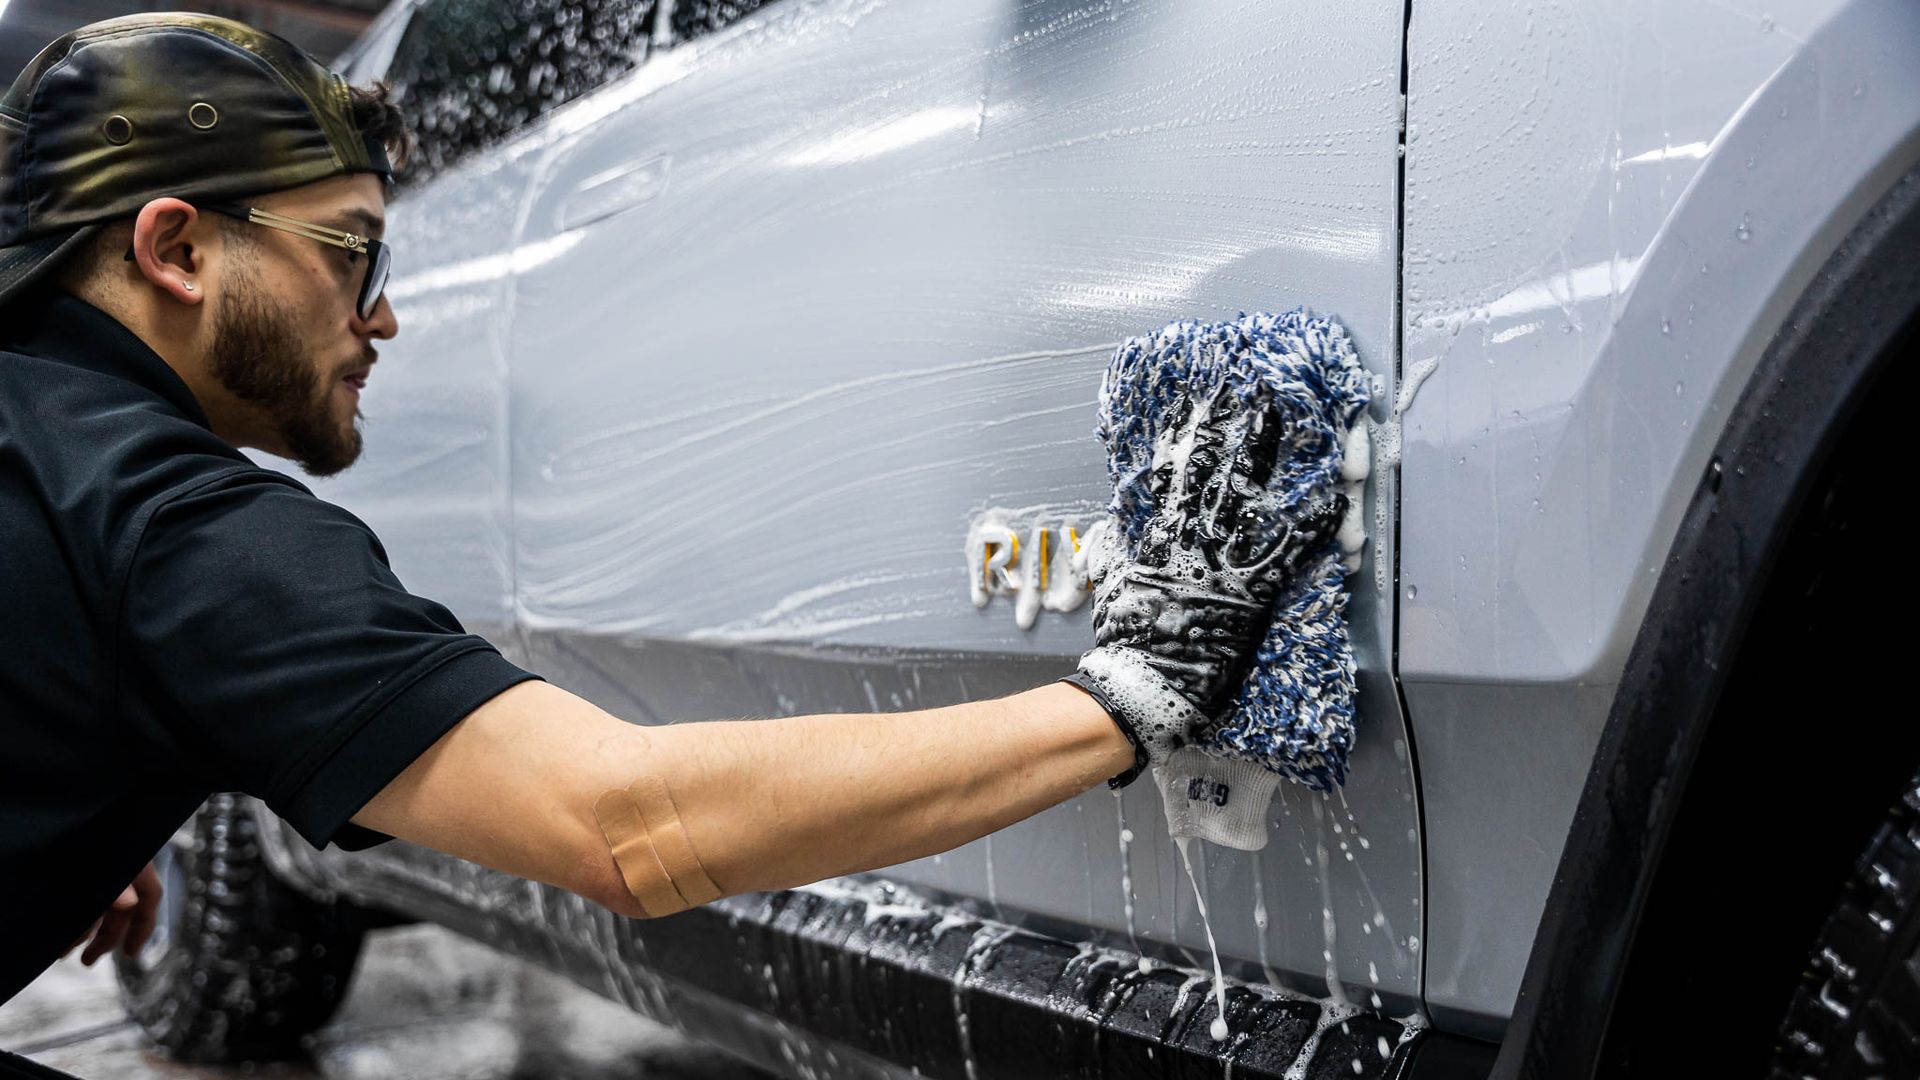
1176	627
128	922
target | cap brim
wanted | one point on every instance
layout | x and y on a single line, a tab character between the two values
24	264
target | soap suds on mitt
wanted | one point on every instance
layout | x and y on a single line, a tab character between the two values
1294	716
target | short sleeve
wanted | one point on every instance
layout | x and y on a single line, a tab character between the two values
275	646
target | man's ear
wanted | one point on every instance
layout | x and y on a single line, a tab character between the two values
170	241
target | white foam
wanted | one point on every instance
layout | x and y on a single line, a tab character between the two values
1099	551
987	574
1139	692
1356	464
1064	587
1126	868
1026	599
1352	535
1387	448
1356	458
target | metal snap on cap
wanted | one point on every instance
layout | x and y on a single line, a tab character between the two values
202	115
118	130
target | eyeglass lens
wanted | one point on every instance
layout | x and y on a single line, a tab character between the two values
379	266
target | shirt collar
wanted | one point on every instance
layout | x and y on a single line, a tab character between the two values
64	328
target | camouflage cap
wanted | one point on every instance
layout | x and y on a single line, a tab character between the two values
121	112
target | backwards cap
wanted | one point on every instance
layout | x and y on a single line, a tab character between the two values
121	112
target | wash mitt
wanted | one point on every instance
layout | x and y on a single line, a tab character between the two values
1294	716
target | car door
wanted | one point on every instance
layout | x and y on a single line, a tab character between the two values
819	292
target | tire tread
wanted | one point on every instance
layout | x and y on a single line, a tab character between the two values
1856	1011
254	966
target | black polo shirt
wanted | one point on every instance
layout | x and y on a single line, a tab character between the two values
177	621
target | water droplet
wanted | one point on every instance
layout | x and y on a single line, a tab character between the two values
1666	327
1766	24
1413	591
1218	1029
1744	231
1679	388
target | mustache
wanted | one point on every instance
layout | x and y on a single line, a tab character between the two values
368	357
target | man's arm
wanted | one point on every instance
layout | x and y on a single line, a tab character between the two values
767	804
775	803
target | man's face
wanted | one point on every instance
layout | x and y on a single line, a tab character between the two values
287	338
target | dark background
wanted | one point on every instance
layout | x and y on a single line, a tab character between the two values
322	27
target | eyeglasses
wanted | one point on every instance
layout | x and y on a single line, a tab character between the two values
379	257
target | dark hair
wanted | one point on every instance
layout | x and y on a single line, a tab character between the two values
376	114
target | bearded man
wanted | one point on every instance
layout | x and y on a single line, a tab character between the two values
191	263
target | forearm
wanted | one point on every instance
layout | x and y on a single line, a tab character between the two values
766	804
776	803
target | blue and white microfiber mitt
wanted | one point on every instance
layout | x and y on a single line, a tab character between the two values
1294	716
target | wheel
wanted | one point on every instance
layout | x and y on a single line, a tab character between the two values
240	966
1856	1012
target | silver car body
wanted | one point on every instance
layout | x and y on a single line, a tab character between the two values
703	377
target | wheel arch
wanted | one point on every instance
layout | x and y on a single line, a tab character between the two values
1629	873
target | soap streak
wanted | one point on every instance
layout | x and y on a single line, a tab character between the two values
1219	1030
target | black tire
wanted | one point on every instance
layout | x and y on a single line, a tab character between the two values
1856	1012
241	966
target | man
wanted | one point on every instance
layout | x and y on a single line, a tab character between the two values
190	264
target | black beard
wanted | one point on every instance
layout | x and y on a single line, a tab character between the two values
258	357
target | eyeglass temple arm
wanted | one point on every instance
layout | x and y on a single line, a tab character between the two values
353	242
